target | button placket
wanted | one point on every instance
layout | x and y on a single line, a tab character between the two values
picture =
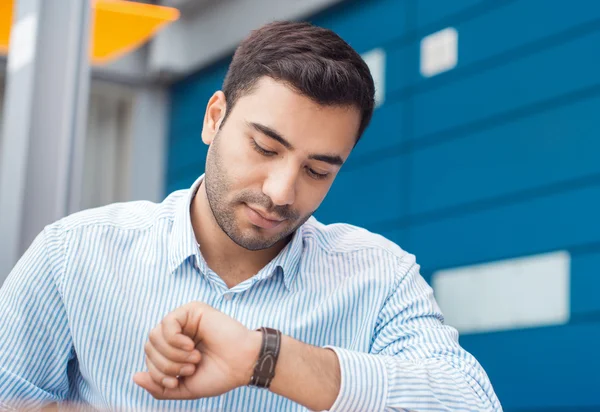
230	303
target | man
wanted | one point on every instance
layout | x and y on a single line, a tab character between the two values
230	295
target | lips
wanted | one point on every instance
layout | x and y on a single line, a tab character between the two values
259	219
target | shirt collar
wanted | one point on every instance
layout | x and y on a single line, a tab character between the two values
288	260
182	244
182	241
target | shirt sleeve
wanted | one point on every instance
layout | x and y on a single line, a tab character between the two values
35	342
415	361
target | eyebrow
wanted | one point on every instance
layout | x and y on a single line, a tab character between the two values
331	159
267	131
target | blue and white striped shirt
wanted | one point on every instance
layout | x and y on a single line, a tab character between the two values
77	308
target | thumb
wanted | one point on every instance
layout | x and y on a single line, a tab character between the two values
181	327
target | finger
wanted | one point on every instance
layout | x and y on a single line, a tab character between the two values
179	328
167	366
158	340
145	381
194	311
160	378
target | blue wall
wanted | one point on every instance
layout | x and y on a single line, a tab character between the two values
497	158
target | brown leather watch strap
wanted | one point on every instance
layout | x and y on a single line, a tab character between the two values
264	369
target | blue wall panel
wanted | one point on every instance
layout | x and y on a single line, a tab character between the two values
519	23
190	96
554	367
186	160
585	285
367	24
535	78
187	152
403	64
533	151
540	223
359	194
386	130
432	12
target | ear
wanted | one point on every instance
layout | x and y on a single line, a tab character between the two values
215	112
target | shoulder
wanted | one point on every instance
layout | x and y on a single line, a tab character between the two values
342	238
133	216
355	252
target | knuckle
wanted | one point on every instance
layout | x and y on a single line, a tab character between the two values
157	379
181	357
167	367
161	367
167	320
156	375
195	306
171	339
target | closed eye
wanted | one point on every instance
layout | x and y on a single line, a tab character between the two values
316	175
262	150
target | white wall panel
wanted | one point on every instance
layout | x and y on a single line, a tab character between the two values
515	293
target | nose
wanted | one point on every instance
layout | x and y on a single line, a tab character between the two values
280	186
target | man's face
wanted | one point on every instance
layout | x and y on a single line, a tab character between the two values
272	162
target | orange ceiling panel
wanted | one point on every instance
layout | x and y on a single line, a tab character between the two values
119	26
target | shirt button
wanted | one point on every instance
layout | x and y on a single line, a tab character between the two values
228	296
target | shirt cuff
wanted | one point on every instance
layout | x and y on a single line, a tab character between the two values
364	381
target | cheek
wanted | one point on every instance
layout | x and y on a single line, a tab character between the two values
244	168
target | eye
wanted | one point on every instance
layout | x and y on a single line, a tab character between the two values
316	175
261	150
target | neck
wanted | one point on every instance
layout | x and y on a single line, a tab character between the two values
230	261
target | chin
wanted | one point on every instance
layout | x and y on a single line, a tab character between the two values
255	236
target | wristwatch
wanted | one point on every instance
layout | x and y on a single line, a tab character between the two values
264	369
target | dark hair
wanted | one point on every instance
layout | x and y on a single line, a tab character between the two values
312	60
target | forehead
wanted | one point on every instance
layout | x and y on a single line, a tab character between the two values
299	119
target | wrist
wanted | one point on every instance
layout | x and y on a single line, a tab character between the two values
307	374
251	353
335	368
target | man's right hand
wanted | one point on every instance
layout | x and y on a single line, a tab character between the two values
198	351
